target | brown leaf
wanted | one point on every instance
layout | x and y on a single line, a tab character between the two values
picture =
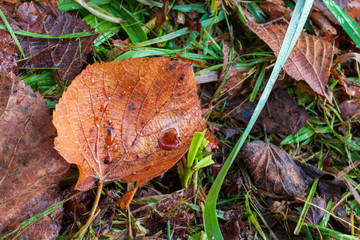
281	114
193	21
128	121
30	168
275	11
350	111
160	16
7	53
66	54
275	171
316	212
310	60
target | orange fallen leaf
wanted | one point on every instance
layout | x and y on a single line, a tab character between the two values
128	121
310	60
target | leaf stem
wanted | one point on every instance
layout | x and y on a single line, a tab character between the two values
93	210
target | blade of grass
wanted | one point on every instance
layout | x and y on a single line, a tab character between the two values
306	207
39	35
332	233
132	26
300	14
99	12
68	5
348	24
257	84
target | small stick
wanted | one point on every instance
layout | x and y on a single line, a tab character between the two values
93	210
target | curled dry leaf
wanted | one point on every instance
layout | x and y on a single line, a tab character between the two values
30	168
128	121
275	171
281	114
310	60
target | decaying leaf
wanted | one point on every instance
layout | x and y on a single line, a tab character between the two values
281	114
316	211
275	11
128	121
350	111
66	54
310	60
275	171
7	53
30	167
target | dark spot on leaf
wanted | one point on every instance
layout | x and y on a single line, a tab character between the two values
131	107
171	67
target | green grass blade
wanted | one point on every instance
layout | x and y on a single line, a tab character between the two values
99	12
348	24
300	14
68	5
306	207
39	35
132	26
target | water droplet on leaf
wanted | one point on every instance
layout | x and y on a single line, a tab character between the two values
169	139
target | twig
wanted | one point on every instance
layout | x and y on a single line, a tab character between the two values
93	210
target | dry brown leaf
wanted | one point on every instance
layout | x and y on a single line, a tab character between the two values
7	53
310	60
275	171
128	121
350	111
30	168
66	54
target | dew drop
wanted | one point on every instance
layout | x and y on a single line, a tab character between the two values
103	106
110	138
169	139
115	148
108	159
